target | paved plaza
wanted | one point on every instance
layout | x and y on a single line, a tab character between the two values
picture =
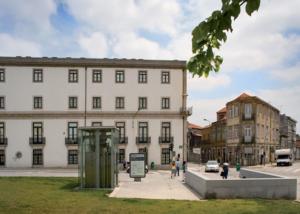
157	185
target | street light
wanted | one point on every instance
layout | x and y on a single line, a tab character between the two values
207	120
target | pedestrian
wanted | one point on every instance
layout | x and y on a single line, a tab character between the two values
183	166
173	169
124	164
225	171
177	166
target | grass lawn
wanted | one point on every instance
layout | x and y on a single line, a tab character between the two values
56	195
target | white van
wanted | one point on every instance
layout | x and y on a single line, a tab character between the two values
284	157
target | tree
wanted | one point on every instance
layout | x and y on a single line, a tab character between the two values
211	33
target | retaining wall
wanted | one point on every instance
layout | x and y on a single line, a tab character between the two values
255	185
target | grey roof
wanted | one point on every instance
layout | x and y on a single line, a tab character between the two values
91	62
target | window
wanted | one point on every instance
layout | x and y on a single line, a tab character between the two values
143	130
120	103
142	78
2	133
97	76
73	157
37	102
2	157
72	130
248	110
121	127
37	131
37	157
72	102
37	75
165	103
73	75
248	134
120	77
142	103
96	102
96	124
165	77
2	102
166	130
165	156
121	155
2	75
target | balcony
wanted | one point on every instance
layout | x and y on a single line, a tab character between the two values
37	140
3	141
166	139
123	140
71	140
186	111
248	117
248	140
143	140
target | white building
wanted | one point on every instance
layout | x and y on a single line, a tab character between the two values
44	100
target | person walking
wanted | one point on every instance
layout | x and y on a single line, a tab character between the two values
225	171
173	169
177	166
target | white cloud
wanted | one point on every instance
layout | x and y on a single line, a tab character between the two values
287	74
117	16
11	46
285	99
213	81
28	17
94	45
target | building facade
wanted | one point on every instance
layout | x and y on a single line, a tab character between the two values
43	101
288	133
252	130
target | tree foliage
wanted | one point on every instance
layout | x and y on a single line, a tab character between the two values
211	33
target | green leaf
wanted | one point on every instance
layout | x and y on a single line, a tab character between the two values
251	6
235	10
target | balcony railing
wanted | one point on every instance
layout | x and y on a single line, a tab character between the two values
248	117
37	140
143	140
123	140
166	139
71	140
3	140
248	140
186	111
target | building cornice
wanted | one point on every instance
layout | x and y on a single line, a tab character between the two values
89	115
91	62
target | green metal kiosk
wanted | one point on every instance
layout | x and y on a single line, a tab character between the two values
98	167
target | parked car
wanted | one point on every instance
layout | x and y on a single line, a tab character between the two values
212	166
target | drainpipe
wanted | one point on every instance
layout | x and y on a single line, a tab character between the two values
85	94
184	117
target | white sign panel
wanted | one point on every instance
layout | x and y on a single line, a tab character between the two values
137	165
197	150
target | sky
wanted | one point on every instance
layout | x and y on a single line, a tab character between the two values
261	55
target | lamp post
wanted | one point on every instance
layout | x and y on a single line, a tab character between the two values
207	120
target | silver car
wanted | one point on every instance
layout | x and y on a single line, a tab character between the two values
212	166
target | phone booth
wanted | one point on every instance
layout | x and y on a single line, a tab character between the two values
98	167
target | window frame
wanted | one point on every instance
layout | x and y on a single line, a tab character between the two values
37	104
120	103
165	79
37	75
142	76
2	75
39	154
120	76
123	155
72	158
2	102
165	156
72	131
73	76
74	104
163	103
143	103
97	76
96	103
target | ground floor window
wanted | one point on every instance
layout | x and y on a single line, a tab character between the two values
73	157
37	157
2	158
145	151
121	155
165	156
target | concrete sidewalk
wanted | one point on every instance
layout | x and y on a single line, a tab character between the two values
38	172
156	185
